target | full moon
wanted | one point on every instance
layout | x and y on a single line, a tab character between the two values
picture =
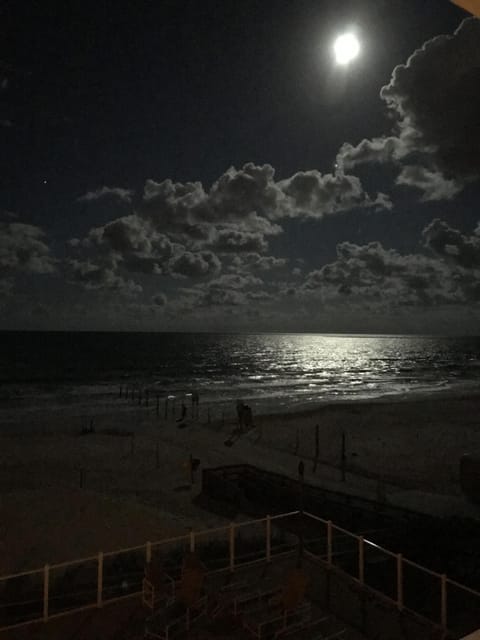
346	48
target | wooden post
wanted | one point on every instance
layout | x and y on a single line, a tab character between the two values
158	405
317	446
344	456
157	455
381	494
399	581
231	546
46	576
443	609
100	579
361	560
192	541
173	407
301	486
329	542
148	552
268	539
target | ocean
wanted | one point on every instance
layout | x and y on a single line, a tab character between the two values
272	372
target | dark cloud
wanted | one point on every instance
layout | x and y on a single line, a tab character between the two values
435	100
6	287
23	248
372	273
115	193
313	195
179	228
453	246
254	261
159	300
133	242
433	184
228	290
93	276
250	196
234	240
194	265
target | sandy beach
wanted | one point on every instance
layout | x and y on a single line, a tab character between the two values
101	491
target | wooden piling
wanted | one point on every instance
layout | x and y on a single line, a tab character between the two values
344	457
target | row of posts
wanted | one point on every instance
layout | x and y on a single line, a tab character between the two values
142	397
268	557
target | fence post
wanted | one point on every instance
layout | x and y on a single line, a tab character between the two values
192	541
329	543
361	559
443	610
100	579
148	552
232	546
399	581
46	576
268	534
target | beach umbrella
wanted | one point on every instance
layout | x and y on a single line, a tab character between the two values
472	6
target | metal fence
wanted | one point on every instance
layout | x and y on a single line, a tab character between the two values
67	587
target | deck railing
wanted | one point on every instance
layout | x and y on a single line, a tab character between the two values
63	588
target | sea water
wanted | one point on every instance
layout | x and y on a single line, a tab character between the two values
273	372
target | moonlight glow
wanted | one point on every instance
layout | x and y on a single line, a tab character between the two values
346	48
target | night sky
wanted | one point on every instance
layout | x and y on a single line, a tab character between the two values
207	165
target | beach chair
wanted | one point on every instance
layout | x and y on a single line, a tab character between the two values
224	597
188	607
284	610
318	629
158	588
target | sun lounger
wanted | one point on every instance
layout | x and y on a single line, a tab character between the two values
282	610
318	629
158	588
189	606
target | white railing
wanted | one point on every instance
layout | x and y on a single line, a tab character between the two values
63	588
